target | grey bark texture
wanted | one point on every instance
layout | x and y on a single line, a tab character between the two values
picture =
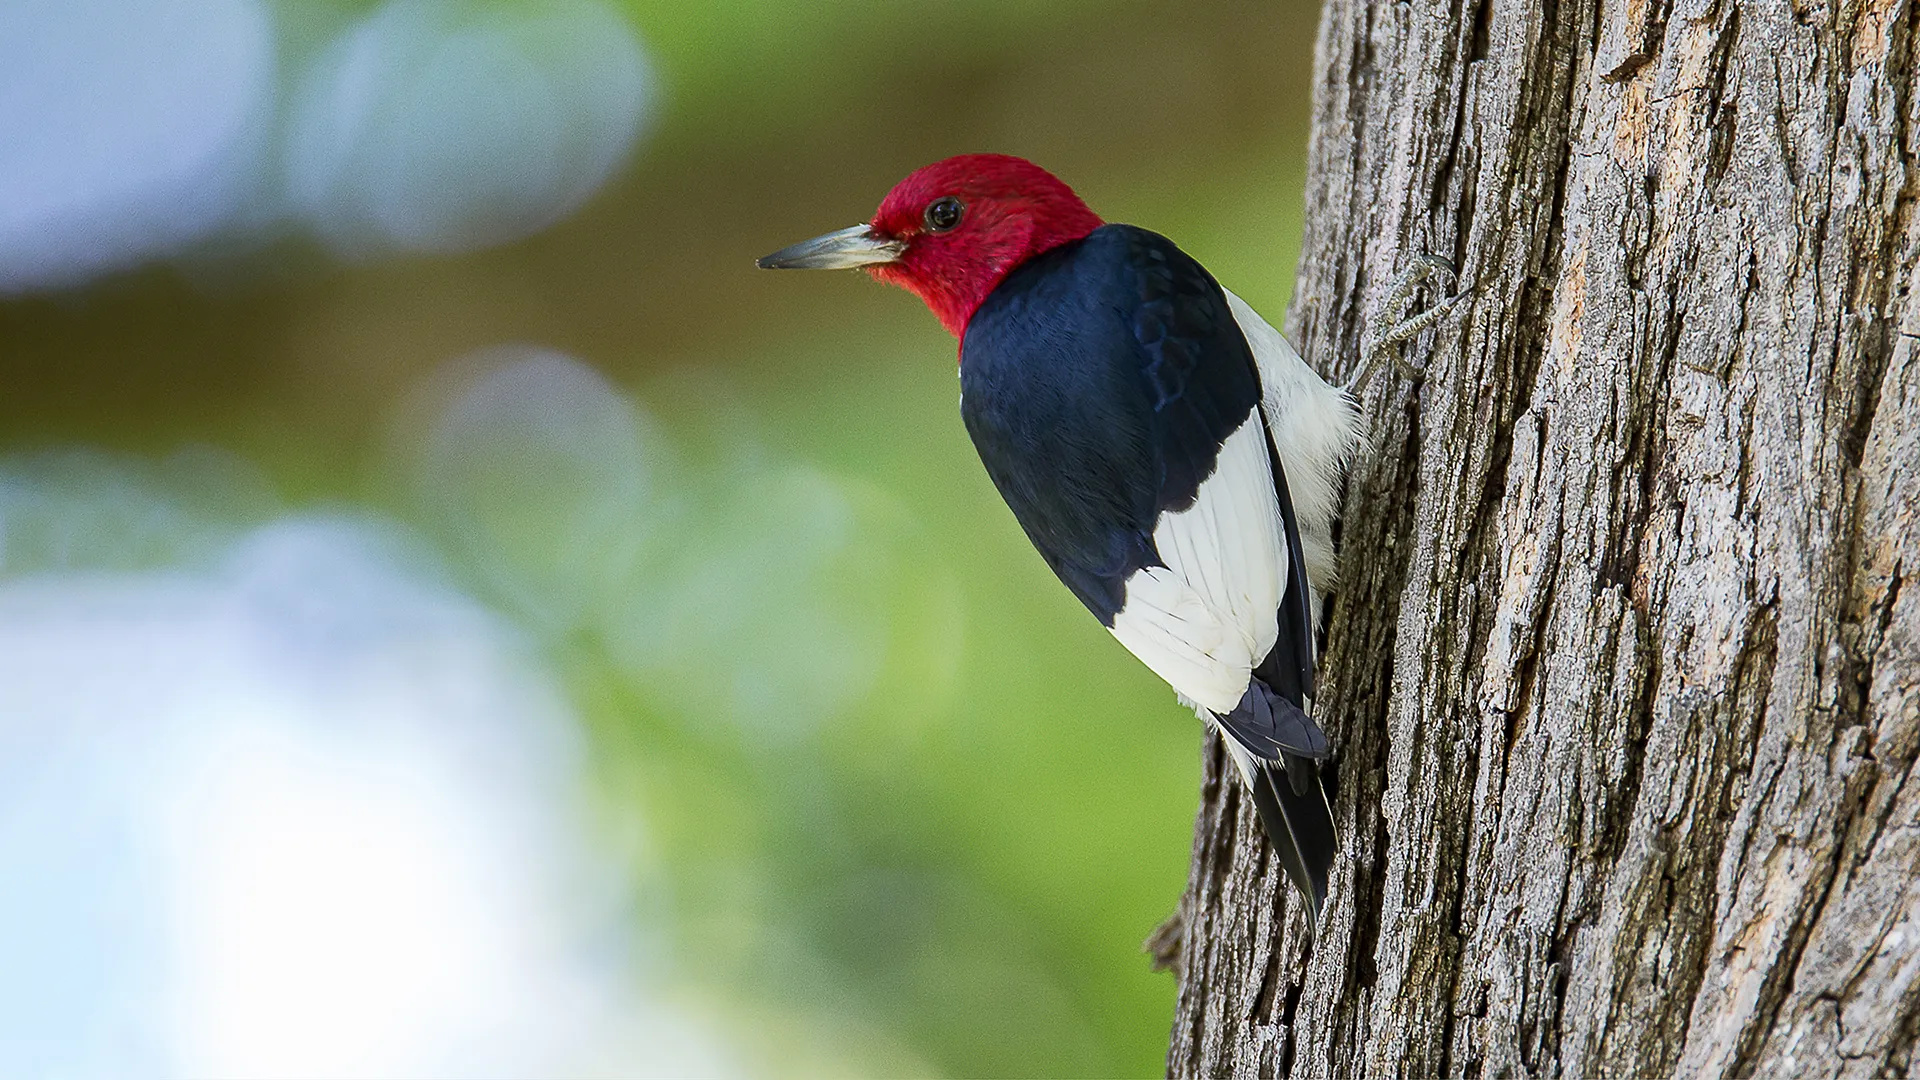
1623	670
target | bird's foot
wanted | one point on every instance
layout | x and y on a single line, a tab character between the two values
1389	325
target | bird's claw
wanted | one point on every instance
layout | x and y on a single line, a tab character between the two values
1389	325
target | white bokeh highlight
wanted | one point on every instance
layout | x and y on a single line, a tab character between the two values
750	598
536	474
129	129
451	125
302	811
142	130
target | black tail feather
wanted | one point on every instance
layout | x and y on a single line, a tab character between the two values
1293	808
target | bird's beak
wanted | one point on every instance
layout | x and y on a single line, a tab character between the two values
843	250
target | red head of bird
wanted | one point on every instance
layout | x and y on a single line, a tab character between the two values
951	231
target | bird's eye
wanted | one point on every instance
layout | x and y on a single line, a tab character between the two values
943	214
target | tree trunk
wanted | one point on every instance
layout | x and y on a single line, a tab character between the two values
1623	671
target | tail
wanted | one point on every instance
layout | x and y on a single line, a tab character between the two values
1293	809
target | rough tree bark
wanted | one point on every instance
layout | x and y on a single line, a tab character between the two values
1623	674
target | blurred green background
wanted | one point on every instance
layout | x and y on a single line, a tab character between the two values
896	805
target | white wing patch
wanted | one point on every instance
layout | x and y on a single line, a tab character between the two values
1206	618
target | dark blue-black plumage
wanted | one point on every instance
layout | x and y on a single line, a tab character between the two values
1098	382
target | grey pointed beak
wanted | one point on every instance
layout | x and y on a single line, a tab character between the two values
843	250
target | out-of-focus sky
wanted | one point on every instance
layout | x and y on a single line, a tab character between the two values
458	618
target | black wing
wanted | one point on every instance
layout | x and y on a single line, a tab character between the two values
1098	383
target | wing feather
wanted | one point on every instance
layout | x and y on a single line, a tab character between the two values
1116	397
1206	618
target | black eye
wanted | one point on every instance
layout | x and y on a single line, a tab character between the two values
943	214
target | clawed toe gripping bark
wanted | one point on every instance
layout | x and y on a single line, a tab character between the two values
1389	325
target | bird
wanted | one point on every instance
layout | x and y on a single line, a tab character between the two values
1171	457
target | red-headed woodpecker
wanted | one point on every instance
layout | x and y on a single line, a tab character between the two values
1173	459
